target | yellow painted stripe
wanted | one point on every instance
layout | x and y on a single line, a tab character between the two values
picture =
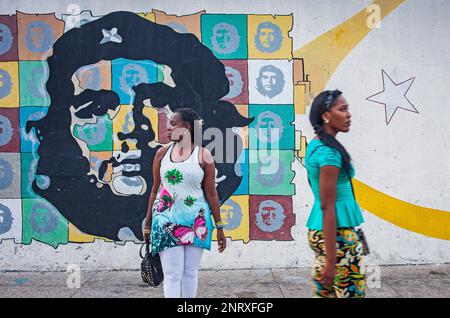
422	220
321	58
323	55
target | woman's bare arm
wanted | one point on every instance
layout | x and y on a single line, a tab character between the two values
209	188
156	183
327	185
209	184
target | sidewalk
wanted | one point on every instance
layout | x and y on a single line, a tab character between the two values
395	282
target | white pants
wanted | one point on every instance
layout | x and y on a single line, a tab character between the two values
180	266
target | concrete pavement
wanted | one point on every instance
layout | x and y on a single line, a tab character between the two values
429	281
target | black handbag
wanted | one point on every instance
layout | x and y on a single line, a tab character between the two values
151	269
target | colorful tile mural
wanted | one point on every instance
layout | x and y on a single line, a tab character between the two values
61	140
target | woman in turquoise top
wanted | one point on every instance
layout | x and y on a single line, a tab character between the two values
335	213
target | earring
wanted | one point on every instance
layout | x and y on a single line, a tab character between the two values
326	121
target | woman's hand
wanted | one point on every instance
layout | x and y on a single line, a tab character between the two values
328	274
221	240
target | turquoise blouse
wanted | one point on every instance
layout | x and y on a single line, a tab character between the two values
348	212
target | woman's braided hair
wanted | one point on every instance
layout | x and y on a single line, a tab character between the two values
322	103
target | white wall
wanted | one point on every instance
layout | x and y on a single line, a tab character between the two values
408	159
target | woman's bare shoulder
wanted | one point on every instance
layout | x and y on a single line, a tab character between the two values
205	151
205	156
162	150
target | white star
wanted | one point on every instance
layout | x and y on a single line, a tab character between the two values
393	96
111	36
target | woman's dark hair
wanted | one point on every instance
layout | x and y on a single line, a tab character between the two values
193	118
321	104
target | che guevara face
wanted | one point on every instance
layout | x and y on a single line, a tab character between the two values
114	157
97	141
267	37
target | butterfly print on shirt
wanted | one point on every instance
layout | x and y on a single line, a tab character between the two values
185	234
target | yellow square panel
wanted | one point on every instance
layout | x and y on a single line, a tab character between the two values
9	84
268	37
123	122
234	212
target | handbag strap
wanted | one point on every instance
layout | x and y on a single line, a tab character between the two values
147	249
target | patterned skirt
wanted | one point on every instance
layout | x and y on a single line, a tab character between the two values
349	281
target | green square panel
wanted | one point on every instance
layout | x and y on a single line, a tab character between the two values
42	222
272	127
98	136
33	76
271	172
225	35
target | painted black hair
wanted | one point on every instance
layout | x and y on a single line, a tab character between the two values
321	104
193	118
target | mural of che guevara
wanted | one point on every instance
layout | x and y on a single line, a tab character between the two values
63	173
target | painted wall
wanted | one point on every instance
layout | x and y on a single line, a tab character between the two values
77	143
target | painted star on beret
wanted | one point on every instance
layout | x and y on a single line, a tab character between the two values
111	36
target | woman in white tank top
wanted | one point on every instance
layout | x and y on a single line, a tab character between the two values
182	199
